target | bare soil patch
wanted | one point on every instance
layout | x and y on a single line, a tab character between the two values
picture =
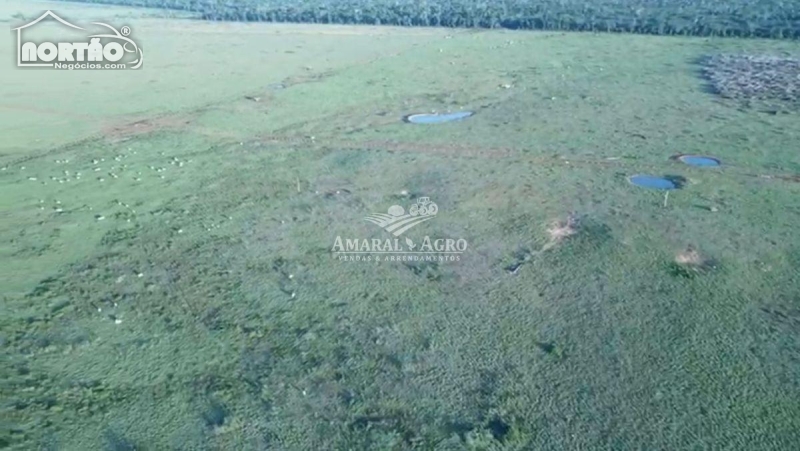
118	132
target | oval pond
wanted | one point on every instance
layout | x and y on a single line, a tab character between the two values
437	118
698	160
651	181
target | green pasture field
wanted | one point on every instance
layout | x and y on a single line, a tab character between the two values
182	293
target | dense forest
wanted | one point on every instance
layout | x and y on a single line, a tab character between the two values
744	18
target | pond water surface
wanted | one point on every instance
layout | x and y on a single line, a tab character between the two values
697	160
652	181
437	118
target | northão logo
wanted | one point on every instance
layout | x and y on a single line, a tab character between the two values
99	51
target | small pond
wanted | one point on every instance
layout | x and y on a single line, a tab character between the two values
698	160
437	118
652	181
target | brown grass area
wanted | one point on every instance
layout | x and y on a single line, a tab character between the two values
563	229
691	258
116	132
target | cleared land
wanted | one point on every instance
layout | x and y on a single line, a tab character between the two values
149	302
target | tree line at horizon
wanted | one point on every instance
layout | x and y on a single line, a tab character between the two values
740	18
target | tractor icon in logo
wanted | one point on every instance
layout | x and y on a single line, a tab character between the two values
423	207
396	220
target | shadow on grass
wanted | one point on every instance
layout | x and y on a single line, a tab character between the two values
116	442
678	180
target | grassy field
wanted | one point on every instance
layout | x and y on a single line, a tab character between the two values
168	282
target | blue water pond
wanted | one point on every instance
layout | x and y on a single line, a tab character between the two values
651	181
437	118
697	160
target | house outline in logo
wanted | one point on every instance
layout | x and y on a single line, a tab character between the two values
19	29
396	220
61	55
